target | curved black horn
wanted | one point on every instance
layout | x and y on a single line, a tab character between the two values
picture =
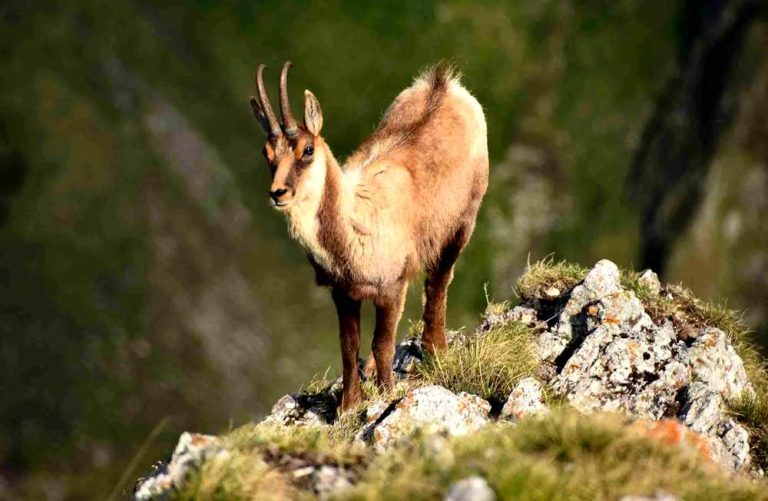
274	125
291	129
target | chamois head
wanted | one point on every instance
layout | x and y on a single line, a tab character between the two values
294	152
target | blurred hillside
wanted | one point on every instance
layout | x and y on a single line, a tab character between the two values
143	274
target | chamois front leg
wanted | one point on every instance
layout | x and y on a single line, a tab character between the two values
348	310
389	309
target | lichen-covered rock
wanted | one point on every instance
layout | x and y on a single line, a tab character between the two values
673	432
526	399
606	353
430	409
524	314
191	450
303	410
470	489
714	362
650	281
704	413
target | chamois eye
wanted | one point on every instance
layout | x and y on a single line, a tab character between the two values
308	151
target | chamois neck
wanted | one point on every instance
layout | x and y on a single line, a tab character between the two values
334	232
320	219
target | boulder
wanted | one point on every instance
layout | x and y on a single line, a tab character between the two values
429	409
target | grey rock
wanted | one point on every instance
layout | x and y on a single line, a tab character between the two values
601	282
408	354
190	453
524	314
328	481
430	409
701	412
715	362
470	489
704	413
526	399
650	280
303	410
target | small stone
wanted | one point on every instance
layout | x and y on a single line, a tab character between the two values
408	355
329	481
650	280
303	410
552	292
526	399
735	440
470	489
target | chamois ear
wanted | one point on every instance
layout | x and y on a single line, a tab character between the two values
313	115
259	114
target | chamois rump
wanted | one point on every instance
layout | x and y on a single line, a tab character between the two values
405	201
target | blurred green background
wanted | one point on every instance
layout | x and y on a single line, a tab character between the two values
143	276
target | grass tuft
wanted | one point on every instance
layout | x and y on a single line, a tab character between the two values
489	364
543	275
752	412
239	476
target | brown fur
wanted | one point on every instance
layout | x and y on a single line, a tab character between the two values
405	201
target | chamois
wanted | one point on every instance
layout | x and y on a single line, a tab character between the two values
405	201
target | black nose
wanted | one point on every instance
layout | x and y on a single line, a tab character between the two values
277	194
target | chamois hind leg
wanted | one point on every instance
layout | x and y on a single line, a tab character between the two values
369	369
348	310
389	309
436	290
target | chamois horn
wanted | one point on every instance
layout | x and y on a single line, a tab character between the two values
274	125
289	123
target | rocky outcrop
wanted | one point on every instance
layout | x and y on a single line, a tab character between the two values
600	350
190	453
604	352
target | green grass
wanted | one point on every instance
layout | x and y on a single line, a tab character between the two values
562	456
546	274
241	476
489	365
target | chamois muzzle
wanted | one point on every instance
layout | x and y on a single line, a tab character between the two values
278	197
